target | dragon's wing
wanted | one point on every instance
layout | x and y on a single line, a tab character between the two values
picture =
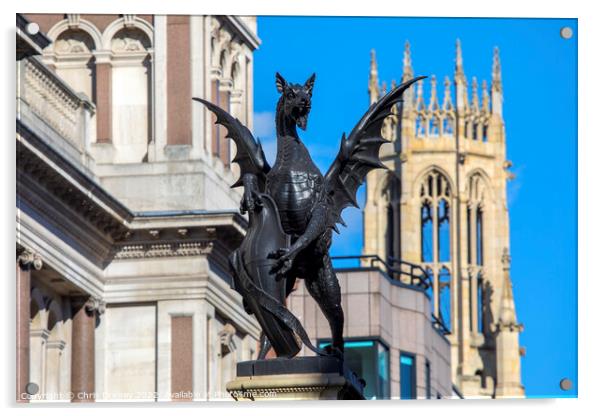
358	155
249	154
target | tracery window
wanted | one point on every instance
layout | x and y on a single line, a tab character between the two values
475	249
390	195
435	217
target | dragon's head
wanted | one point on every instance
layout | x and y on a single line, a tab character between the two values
296	99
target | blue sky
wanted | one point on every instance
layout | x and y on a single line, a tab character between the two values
539	72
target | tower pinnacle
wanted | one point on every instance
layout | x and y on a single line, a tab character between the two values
373	90
408	72
459	63
434	102
447	102
484	97
496	70
475	96
497	98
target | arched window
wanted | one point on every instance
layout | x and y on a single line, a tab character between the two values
475	218
74	61
391	196
480	305
420	125
435	222
131	94
427	231
444	236
434	126
448	125
435	229
485	131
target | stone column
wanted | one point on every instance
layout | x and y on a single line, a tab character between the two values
26	260
82	350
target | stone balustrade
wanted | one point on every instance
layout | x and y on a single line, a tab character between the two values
66	116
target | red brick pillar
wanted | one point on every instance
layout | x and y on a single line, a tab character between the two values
179	81
104	103
85	311
26	261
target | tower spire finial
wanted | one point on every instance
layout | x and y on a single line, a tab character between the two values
459	61
434	102
475	95
408	72
484	97
496	84
507	306
447	101
419	96
496	70
373	90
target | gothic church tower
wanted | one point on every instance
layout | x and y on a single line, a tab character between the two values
442	204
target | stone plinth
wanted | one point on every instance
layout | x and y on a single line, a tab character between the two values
301	378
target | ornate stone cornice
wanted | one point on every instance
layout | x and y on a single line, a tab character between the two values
39	174
164	249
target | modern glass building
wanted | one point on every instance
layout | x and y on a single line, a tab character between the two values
392	340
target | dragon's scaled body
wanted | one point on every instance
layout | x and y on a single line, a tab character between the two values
306	207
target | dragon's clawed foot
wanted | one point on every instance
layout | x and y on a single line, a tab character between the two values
284	257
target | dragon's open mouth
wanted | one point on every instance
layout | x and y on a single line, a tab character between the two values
301	116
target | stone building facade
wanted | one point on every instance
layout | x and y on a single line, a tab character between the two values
443	205
125	214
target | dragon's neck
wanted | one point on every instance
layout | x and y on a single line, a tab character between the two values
285	126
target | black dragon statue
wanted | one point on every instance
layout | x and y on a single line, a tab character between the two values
293	210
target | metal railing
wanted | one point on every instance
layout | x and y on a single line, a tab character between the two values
395	268
440	325
415	275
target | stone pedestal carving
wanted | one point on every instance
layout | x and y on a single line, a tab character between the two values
302	378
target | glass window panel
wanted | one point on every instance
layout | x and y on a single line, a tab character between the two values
480	303
445	297
383	372
390	237
479	242
369	359
427	233
443	242
469	236
407	377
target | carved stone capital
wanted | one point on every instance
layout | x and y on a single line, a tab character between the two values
29	260
95	305
91	304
